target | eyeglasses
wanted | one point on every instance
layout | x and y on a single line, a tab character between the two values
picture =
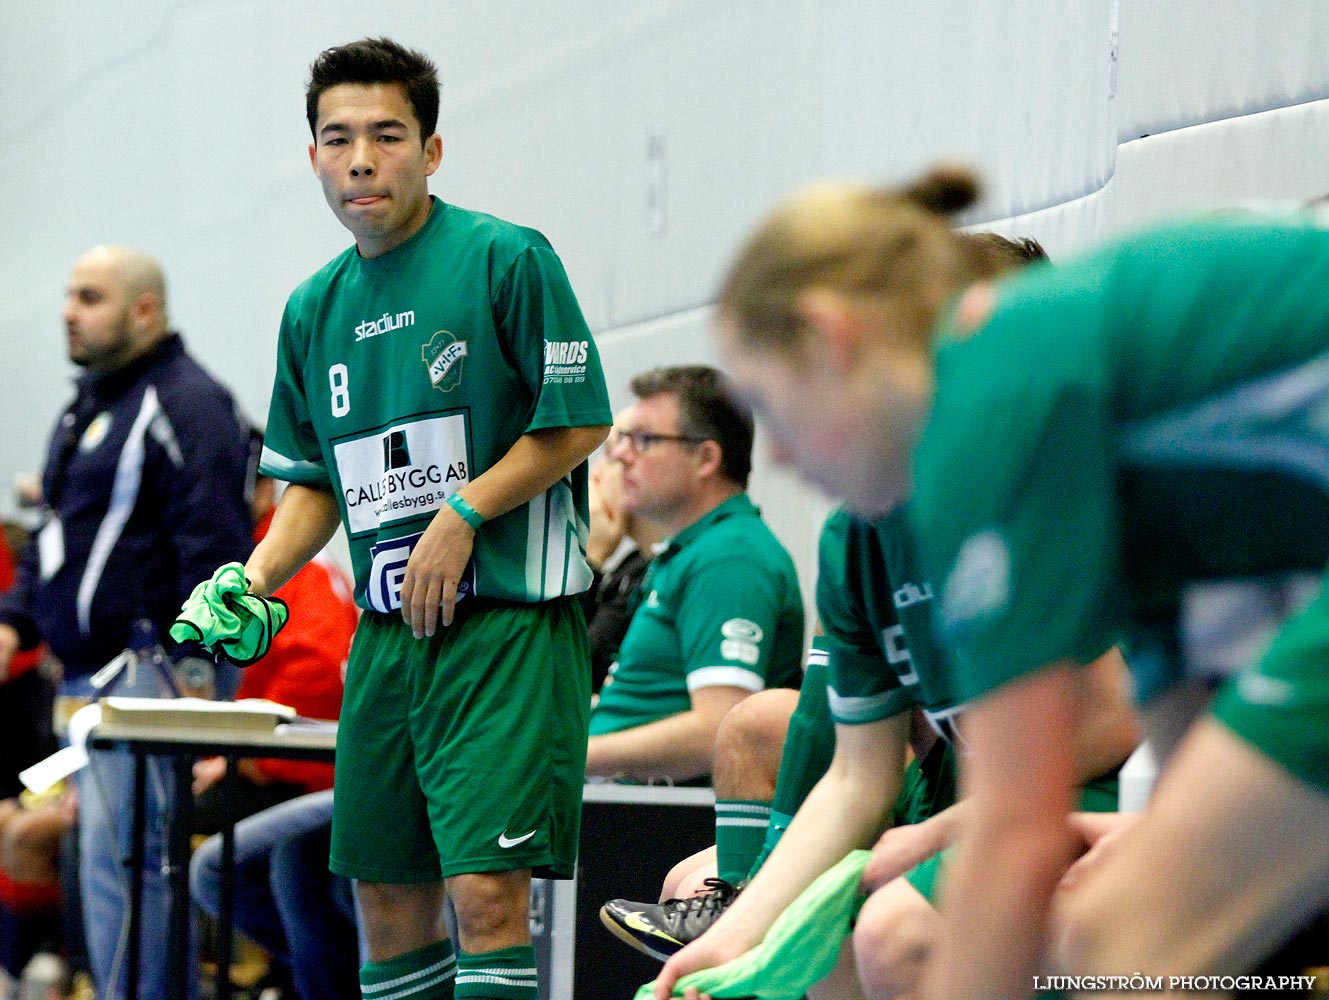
641	441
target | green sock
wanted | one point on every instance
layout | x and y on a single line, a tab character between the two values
809	746
740	829
775	829
506	974
423	974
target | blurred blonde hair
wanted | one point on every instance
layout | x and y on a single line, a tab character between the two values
894	248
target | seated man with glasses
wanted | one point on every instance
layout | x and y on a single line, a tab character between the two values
719	615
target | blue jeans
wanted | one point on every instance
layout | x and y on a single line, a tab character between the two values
106	801
285	897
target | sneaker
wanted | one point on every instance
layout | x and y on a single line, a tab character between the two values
660	929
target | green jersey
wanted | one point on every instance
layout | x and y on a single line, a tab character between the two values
402	378
876	608
1153	416
721	608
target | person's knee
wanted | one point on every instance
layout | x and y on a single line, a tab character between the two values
749	742
205	876
492	909
688	874
893	938
399	918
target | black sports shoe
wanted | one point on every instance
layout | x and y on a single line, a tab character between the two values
660	929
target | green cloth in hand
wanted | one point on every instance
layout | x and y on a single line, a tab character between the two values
798	951
228	621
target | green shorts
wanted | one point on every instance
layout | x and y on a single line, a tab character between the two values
929	786
464	752
1281	705
1099	795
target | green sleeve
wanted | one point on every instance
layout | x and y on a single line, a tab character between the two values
291	449
727	616
864	686
541	325
1025	549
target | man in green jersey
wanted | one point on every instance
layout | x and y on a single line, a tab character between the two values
720	613
437	393
1149	416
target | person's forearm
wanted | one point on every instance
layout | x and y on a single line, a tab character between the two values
840	814
305	519
679	747
1109	728
1018	780
535	462
996	924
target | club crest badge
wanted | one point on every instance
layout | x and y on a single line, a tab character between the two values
95	433
443	359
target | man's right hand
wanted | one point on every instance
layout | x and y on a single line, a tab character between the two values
715	947
8	647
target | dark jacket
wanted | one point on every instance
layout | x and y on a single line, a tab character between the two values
146	474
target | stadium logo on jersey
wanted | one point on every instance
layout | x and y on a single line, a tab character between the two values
979	583
384	324
442	357
912	593
95	433
387	570
565	361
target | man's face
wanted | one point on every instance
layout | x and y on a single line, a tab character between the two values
98	321
369	158
842	434
660	477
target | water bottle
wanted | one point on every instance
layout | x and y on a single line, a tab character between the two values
148	655
43	978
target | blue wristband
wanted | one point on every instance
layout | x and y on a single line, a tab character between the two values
467	513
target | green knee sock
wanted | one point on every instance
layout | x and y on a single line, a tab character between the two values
740	829
775	829
809	745
506	974
423	974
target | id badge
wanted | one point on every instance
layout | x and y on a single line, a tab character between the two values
51	548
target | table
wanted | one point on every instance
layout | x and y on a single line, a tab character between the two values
631	835
183	746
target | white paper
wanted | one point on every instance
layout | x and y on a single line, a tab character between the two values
50	548
245	706
61	764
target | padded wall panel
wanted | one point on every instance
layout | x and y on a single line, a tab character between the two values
1184	62
1018	88
1279	154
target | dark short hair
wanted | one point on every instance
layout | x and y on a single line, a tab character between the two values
376	60
999	254
706	409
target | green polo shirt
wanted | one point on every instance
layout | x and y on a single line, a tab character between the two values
720	607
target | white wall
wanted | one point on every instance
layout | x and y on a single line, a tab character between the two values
642	136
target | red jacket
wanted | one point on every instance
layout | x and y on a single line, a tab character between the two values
23	661
306	666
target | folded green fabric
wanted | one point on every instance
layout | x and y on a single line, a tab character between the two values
798	951
229	622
